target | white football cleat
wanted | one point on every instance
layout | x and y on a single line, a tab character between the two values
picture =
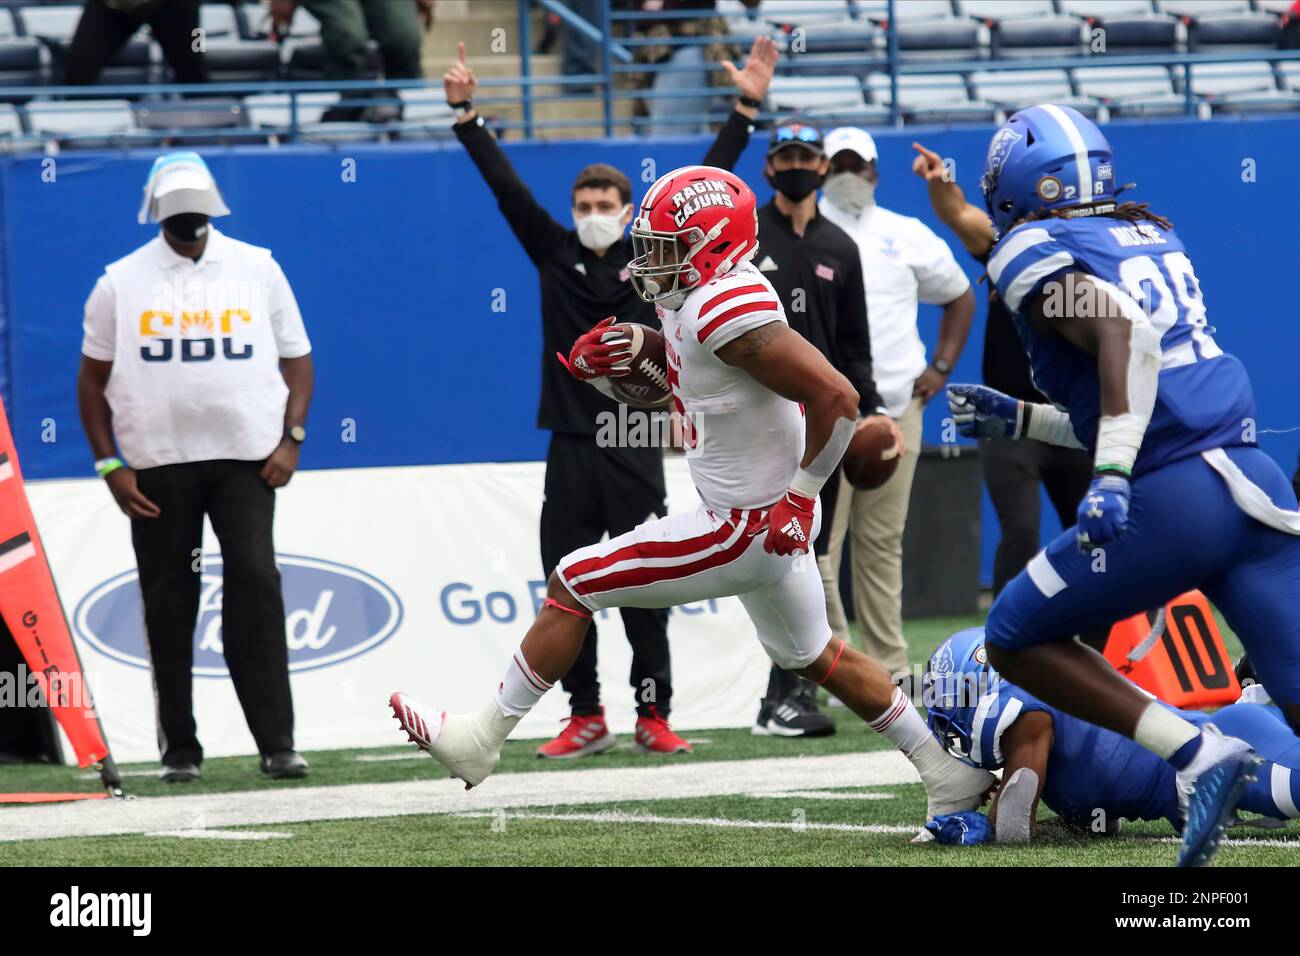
469	745
951	785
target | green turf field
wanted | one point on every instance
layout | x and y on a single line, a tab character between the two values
658	818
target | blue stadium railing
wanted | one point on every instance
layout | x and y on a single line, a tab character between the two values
616	59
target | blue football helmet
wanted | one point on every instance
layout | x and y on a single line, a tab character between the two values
1046	157
956	676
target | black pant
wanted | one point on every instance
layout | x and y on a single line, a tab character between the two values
1012	472
102	32
589	491
241	507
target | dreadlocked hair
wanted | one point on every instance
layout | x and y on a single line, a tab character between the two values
1128	211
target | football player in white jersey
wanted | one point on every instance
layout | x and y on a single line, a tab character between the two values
767	420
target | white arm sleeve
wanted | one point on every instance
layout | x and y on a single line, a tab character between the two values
1049	424
808	481
1119	437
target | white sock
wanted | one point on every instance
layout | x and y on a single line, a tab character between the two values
521	688
901	724
1163	732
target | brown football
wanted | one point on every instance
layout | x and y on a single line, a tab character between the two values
646	385
872	456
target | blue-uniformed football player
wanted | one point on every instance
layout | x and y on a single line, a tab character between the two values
1109	308
1089	776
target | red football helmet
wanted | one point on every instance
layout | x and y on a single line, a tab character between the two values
695	224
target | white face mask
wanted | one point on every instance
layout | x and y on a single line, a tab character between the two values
598	231
850	192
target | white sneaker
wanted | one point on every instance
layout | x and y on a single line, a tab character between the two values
469	745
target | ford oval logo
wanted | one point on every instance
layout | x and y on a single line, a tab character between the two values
332	612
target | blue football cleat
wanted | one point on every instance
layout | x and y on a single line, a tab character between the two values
1212	803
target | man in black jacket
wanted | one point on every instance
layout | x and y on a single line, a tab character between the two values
589	489
816	271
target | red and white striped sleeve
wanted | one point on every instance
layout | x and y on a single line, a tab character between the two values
735	305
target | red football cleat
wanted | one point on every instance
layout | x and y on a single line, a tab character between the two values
584	736
654	736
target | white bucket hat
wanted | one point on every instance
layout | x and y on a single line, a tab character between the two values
180	182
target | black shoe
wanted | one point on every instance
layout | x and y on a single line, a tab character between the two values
798	716
764	715
181	773
285	765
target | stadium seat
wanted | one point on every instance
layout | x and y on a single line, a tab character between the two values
1265	101
1012	90
846	47
1199	8
1288	74
1276	7
425	115
243	61
932	98
1112	83
1049	35
909	11
843	36
273	110
218	20
140	61
801	93
994	10
81	123
950	39
1232	32
53	22
1222	79
1148	33
11	124
24	61
863	116
788	12
1102	9
8	28
191	122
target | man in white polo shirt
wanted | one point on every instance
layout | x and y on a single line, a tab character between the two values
903	263
196	366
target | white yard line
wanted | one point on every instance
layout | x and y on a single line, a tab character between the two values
221	834
618	816
676	781
825	795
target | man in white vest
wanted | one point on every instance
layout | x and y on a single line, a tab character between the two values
903	263
196	375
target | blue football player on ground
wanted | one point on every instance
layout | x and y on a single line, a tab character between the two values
1089	776
1110	312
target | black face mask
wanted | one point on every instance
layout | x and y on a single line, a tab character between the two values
795	184
187	227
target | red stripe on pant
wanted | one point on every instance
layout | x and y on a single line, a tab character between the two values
639	577
656	549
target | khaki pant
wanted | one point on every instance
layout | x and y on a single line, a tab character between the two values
877	519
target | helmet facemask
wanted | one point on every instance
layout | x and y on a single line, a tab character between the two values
661	269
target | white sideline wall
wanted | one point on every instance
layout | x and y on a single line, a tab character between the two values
455	546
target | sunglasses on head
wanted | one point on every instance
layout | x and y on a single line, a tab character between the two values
797	133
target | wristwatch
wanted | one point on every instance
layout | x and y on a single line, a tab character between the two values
942	366
296	434
461	108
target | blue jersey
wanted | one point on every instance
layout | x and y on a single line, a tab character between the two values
1204	396
1089	768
